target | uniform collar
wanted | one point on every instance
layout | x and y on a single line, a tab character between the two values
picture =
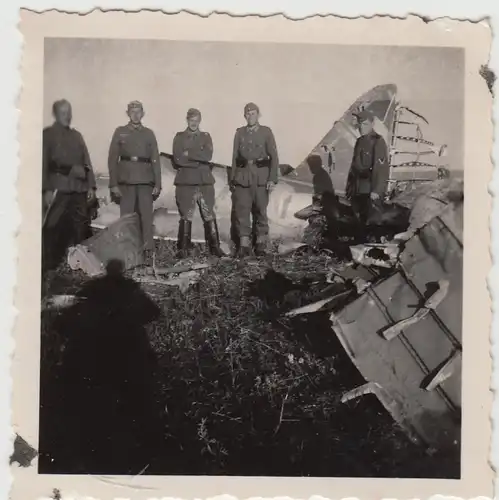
253	129
190	132
131	126
59	126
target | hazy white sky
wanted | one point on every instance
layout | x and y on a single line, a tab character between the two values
301	89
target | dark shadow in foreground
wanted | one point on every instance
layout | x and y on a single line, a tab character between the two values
99	410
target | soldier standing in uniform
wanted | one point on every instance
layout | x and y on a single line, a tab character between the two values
68	185
253	176
135	172
369	170
192	153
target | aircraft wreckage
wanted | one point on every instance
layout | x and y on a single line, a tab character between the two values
414	159
402	328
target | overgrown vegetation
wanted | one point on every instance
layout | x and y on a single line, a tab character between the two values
242	390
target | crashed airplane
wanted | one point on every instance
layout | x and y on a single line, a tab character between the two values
401	328
413	160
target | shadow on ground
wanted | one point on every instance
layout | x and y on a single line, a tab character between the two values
100	411
217	385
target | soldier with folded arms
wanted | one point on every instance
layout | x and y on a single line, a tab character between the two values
192	153
135	172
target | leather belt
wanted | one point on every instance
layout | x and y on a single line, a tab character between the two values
257	163
60	168
135	159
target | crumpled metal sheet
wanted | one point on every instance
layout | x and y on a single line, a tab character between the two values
430	200
120	241
405	365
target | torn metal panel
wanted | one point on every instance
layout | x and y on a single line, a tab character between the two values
420	367
436	252
120	241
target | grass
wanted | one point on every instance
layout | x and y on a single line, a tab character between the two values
240	389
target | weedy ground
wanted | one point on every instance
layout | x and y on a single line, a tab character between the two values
244	390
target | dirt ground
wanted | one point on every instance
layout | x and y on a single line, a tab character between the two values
147	379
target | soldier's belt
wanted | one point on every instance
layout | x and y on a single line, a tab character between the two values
60	168
135	159
257	163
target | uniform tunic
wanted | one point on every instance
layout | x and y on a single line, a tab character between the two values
136	179
134	141
192	152
63	148
66	168
369	172
255	162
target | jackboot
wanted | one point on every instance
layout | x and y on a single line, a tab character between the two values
261	249
184	238
148	257
244	248
213	238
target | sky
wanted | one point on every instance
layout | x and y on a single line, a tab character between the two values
301	89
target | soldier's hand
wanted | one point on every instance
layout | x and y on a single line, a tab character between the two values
155	193
115	194
47	198
374	196
186	153
91	195
270	186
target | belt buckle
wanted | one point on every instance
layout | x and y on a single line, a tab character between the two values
134	158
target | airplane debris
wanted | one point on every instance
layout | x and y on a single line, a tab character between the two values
184	280
119	241
290	247
178	269
394	330
446	371
316	306
57	302
427	274
369	388
381	255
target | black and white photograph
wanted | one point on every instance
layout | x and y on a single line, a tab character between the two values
251	258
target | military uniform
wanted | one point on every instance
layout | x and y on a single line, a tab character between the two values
67	170
368	173
134	167
254	164
192	153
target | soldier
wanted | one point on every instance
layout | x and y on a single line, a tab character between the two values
369	170
135	172
68	185
252	177
192	153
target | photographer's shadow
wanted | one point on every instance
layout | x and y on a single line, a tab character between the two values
102	415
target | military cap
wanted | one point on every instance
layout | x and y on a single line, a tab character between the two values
193	112
135	105
251	106
364	115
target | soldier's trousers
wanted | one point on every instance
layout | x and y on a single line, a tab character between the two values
361	204
137	198
67	223
251	202
187	197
